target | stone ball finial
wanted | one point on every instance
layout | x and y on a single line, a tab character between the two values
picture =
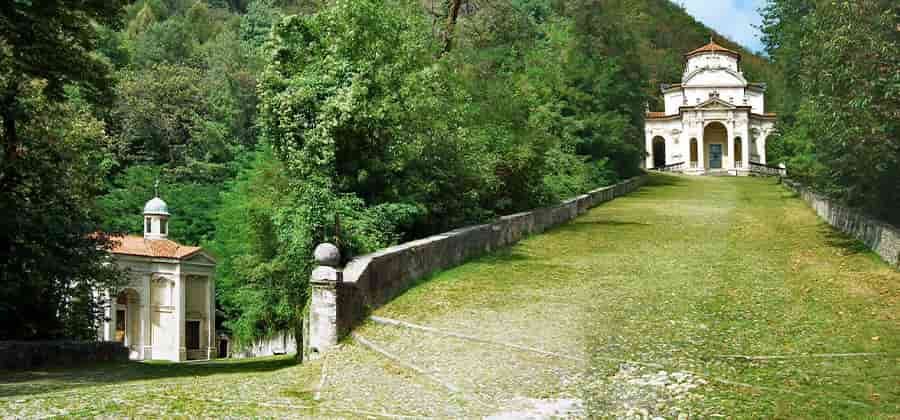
327	254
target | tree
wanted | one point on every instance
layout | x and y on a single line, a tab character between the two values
53	258
51	166
52	41
838	128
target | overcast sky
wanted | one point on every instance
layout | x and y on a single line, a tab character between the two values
733	18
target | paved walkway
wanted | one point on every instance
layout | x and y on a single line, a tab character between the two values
643	307
698	297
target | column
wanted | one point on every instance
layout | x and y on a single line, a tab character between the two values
180	347
110	326
745	149
701	153
211	318
648	149
323	308
729	137
761	144
146	330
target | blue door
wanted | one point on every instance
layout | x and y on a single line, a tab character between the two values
715	156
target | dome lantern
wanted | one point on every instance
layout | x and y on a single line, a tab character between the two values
156	217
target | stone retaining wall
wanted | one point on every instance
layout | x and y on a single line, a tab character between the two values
879	236
281	342
343	296
24	355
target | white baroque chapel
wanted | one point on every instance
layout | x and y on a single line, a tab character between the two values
167	309
714	120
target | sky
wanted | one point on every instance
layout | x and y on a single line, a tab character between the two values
733	18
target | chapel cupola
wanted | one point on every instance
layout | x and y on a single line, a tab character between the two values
713	56
156	218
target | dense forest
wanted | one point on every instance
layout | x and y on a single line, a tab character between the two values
271	123
839	122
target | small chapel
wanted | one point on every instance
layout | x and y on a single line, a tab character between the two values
714	121
167	309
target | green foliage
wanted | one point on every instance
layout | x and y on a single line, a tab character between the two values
250	274
661	31
53	260
348	113
189	203
838	127
53	160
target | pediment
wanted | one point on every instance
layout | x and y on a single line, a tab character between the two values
714	102
200	258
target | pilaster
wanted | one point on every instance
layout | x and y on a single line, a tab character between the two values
648	149
701	151
732	159
109	333
146	329
179	316
211	317
745	148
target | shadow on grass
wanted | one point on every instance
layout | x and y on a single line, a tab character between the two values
656	179
61	379
837	239
579	226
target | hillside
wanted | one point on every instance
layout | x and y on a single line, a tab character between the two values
264	121
667	31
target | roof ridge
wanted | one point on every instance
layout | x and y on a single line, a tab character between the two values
713	46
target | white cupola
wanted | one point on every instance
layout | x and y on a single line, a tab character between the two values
156	218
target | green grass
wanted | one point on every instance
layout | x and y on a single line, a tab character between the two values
678	274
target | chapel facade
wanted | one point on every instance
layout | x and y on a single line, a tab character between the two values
714	120
167	309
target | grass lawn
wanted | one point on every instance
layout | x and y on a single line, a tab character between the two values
700	297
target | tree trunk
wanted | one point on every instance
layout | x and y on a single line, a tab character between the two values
10	139
451	24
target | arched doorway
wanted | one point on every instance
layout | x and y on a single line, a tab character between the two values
715	137
128	319
694	154
659	152
738	153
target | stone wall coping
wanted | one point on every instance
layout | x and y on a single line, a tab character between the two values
342	297
881	237
356	267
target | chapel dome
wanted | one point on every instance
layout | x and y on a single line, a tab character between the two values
713	47
156	206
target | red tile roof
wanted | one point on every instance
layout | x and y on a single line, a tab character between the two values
656	114
161	248
713	47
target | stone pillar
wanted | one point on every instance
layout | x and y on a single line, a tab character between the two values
323	309
110	330
731	156
701	152
211	317
648	148
761	144
146	330
180	346
745	150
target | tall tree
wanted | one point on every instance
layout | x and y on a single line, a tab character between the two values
51	166
839	128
